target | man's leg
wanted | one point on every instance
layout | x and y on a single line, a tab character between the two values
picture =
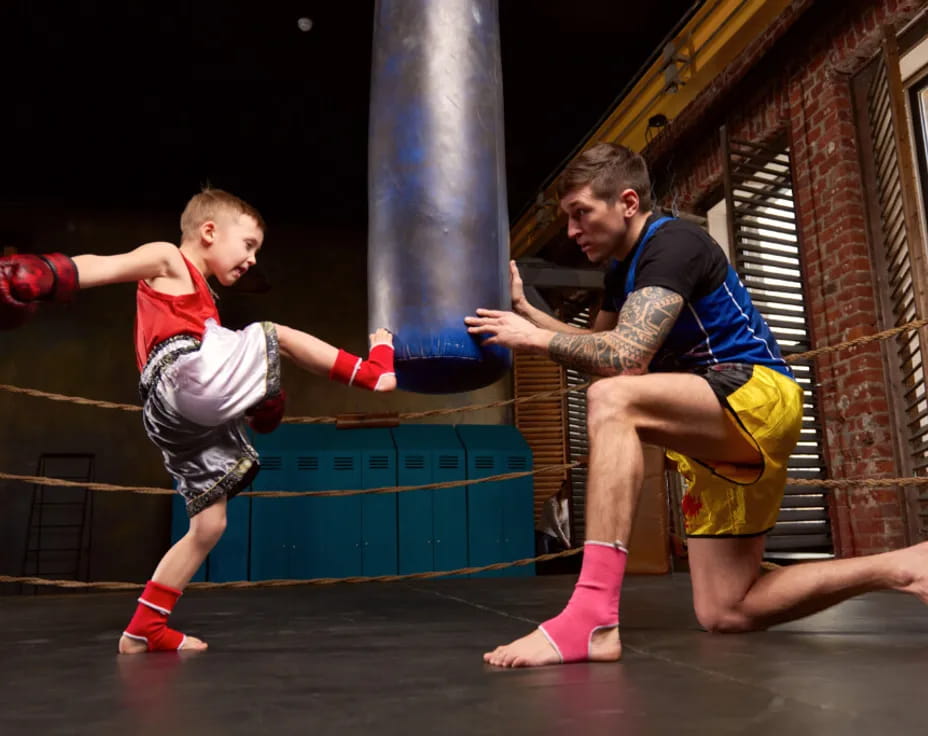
668	409
731	595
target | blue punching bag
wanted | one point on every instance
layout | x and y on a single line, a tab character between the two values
438	239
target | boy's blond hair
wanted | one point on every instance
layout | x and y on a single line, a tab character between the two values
209	205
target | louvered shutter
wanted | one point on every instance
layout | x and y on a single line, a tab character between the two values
578	442
766	255
900	258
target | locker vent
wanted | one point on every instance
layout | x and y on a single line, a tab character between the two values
271	462
307	463
343	462
517	463
414	462
378	462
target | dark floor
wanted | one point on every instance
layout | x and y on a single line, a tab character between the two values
405	659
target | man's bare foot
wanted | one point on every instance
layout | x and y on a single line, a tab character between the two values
133	646
535	650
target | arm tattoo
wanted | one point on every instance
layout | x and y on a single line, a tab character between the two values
644	323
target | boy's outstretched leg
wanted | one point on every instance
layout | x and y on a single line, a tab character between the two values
317	356
376	373
148	630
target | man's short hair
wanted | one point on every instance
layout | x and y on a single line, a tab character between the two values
609	169
211	204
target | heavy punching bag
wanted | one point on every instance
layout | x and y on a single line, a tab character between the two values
438	239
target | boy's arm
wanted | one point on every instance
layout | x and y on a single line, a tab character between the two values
26	279
149	261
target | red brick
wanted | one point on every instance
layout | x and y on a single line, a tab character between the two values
813	98
865	525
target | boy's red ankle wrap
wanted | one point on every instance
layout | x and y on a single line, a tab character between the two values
149	624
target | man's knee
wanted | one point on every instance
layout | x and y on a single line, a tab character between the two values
721	619
608	399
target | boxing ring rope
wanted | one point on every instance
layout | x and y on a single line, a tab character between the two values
106	585
108	487
80	400
863	340
148	490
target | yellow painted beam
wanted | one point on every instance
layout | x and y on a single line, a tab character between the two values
714	37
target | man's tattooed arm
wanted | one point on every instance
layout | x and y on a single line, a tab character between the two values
644	323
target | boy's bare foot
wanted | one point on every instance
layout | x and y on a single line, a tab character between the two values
133	646
381	336
387	381
535	650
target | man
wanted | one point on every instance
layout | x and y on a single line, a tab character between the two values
687	363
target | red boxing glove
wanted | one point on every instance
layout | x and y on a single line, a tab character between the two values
266	416
351	370
25	279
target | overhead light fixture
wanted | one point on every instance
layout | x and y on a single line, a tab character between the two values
674	65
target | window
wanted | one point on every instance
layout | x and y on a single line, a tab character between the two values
919	103
765	252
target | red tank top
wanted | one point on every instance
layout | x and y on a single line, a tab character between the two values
159	316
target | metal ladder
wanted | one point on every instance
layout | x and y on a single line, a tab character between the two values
58	533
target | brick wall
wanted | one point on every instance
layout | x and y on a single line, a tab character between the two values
788	82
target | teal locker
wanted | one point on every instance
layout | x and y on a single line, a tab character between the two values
378	511
308	537
328	533
272	546
500	514
432	524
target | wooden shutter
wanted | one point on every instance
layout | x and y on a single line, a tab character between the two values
900	259
541	422
766	255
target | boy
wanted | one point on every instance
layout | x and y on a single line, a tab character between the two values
199	381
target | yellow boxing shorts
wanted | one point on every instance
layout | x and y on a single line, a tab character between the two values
724	500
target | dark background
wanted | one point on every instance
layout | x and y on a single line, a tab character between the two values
138	104
112	114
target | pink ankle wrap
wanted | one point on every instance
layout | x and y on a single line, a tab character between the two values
594	604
